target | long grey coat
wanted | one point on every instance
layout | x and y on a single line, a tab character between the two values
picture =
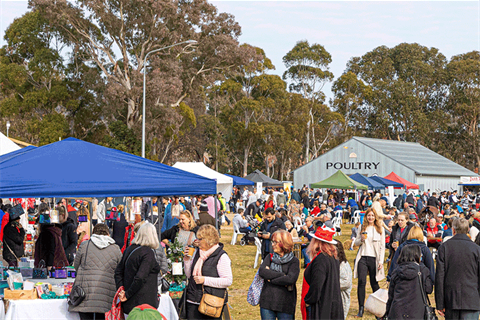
96	276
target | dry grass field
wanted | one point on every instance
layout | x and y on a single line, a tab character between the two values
243	273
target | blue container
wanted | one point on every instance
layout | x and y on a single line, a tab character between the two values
362	214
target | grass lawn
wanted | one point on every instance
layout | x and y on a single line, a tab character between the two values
243	273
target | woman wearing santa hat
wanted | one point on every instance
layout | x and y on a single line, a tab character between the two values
321	295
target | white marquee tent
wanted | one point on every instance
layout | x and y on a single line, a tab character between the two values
224	183
7	145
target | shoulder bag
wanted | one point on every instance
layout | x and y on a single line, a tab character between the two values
211	305
429	310
77	294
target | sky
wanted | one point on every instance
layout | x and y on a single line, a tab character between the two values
345	28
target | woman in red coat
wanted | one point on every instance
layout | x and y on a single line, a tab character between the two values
269	203
321	295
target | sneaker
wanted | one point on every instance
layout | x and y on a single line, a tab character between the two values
351	249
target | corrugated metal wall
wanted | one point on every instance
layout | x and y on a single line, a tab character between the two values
367	162
435	183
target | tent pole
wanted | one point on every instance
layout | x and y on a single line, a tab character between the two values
90	210
216	211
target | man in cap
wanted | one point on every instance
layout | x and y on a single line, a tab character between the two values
204	217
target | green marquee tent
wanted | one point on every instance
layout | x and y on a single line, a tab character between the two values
339	180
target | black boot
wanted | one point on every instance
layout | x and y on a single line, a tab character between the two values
360	312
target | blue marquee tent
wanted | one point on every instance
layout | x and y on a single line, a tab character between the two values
238	181
74	168
16	153
372	184
386	182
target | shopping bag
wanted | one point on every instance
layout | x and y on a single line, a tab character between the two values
376	303
255	290
116	312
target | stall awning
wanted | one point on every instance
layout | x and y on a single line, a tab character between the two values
258	176
370	183
339	180
387	182
405	183
74	168
238	181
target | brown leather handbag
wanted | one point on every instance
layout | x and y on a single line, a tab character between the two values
211	305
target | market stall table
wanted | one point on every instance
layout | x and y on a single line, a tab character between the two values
40	309
167	308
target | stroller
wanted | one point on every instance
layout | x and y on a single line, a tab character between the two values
250	237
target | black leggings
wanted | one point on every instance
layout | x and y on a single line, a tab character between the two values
366	265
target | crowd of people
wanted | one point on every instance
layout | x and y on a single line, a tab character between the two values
407	236
128	257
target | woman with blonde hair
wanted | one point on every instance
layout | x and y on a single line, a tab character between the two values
184	231
415	236
370	256
137	271
280	272
321	295
209	270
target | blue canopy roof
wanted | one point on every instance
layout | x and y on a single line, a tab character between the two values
16	153
386	182
238	181
372	184
74	168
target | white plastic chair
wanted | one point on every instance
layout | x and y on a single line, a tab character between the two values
258	254
298	223
236	232
339	214
336	224
355	217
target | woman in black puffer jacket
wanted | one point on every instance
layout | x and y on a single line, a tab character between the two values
137	271
405	299
280	273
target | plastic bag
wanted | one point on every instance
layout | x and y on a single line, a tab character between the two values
377	302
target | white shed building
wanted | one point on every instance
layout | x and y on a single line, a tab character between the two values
369	157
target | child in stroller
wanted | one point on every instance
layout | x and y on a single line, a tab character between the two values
250	236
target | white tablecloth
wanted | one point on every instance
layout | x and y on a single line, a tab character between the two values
167	308
40	309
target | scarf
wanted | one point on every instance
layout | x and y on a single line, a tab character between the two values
277	261
126	243
197	271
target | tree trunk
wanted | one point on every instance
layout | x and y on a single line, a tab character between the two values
246	151
307	143
132	115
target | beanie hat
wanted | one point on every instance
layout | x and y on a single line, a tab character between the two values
203	206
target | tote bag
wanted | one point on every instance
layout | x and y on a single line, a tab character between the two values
255	290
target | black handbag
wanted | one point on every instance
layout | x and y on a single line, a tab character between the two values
41	272
164	284
77	294
429	313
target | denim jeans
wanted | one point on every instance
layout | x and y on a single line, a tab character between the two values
306	258
273	315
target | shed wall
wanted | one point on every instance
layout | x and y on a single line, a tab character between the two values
438	183
340	158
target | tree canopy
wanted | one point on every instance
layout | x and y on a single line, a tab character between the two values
75	68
